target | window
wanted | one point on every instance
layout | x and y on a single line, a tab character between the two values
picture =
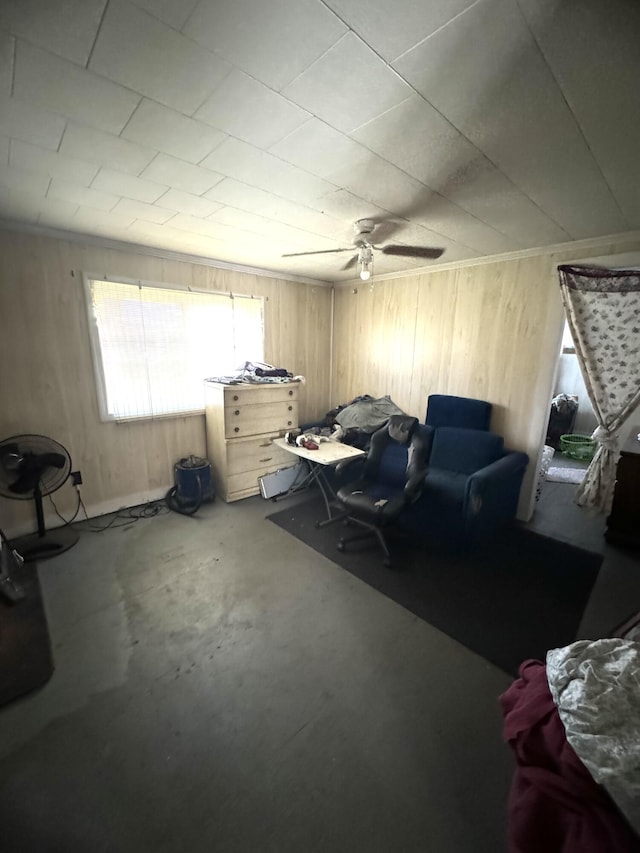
567	340
154	345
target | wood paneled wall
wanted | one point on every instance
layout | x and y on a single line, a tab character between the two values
490	331
46	373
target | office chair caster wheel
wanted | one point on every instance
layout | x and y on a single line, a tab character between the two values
341	545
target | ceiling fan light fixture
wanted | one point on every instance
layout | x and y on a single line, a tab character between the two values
365	263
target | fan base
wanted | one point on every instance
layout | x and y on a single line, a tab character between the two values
36	547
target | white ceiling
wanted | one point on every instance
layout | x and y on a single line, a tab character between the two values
244	129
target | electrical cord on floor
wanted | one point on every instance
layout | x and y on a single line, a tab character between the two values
120	518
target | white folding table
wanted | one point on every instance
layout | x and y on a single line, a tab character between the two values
328	454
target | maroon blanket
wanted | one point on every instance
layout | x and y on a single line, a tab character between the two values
555	805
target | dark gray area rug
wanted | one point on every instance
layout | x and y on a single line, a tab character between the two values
511	599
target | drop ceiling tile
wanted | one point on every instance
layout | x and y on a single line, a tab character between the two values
235	194
180	175
341	204
107	150
165	237
183	202
272	41
443	217
327	87
171	132
138	51
381	183
243	107
50	209
32	158
81	196
18	205
128	186
485	72
30	124
250	165
393	30
65	27
91	220
196	225
603	95
57	85
33	183
171	13
7	50
277	231
417	139
320	149
141	210
486	193
31	207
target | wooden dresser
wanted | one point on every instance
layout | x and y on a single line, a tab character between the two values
623	525
241	421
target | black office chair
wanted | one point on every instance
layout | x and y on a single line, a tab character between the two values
392	479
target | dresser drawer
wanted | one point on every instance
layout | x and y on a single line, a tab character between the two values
255	420
235	395
256	454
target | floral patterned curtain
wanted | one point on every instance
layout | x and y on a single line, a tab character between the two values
603	312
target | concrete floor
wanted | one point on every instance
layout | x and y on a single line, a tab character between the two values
220	687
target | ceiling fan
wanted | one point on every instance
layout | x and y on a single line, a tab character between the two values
363	248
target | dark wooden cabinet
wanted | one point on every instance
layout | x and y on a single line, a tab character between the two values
623	525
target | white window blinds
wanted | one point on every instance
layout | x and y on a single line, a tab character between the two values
153	346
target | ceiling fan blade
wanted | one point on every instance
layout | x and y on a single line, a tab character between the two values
412	251
319	252
350	263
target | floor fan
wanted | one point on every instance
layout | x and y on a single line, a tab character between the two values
31	467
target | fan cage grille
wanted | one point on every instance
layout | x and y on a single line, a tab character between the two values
51	479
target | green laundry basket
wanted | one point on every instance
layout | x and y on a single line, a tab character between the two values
578	446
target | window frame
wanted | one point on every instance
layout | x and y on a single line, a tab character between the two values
96	350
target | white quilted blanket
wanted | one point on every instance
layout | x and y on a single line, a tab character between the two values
596	688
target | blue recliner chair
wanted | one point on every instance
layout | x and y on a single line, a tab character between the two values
472	487
464	412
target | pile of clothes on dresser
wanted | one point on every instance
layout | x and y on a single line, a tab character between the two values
355	422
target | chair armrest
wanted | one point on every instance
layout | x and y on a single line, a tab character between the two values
504	468
341	467
413	487
492	493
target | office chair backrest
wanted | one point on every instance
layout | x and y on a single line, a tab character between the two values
398	451
463	412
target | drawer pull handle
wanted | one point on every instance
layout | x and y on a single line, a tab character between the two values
290	408
291	393
237	412
236	429
288	423
267	459
235	397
